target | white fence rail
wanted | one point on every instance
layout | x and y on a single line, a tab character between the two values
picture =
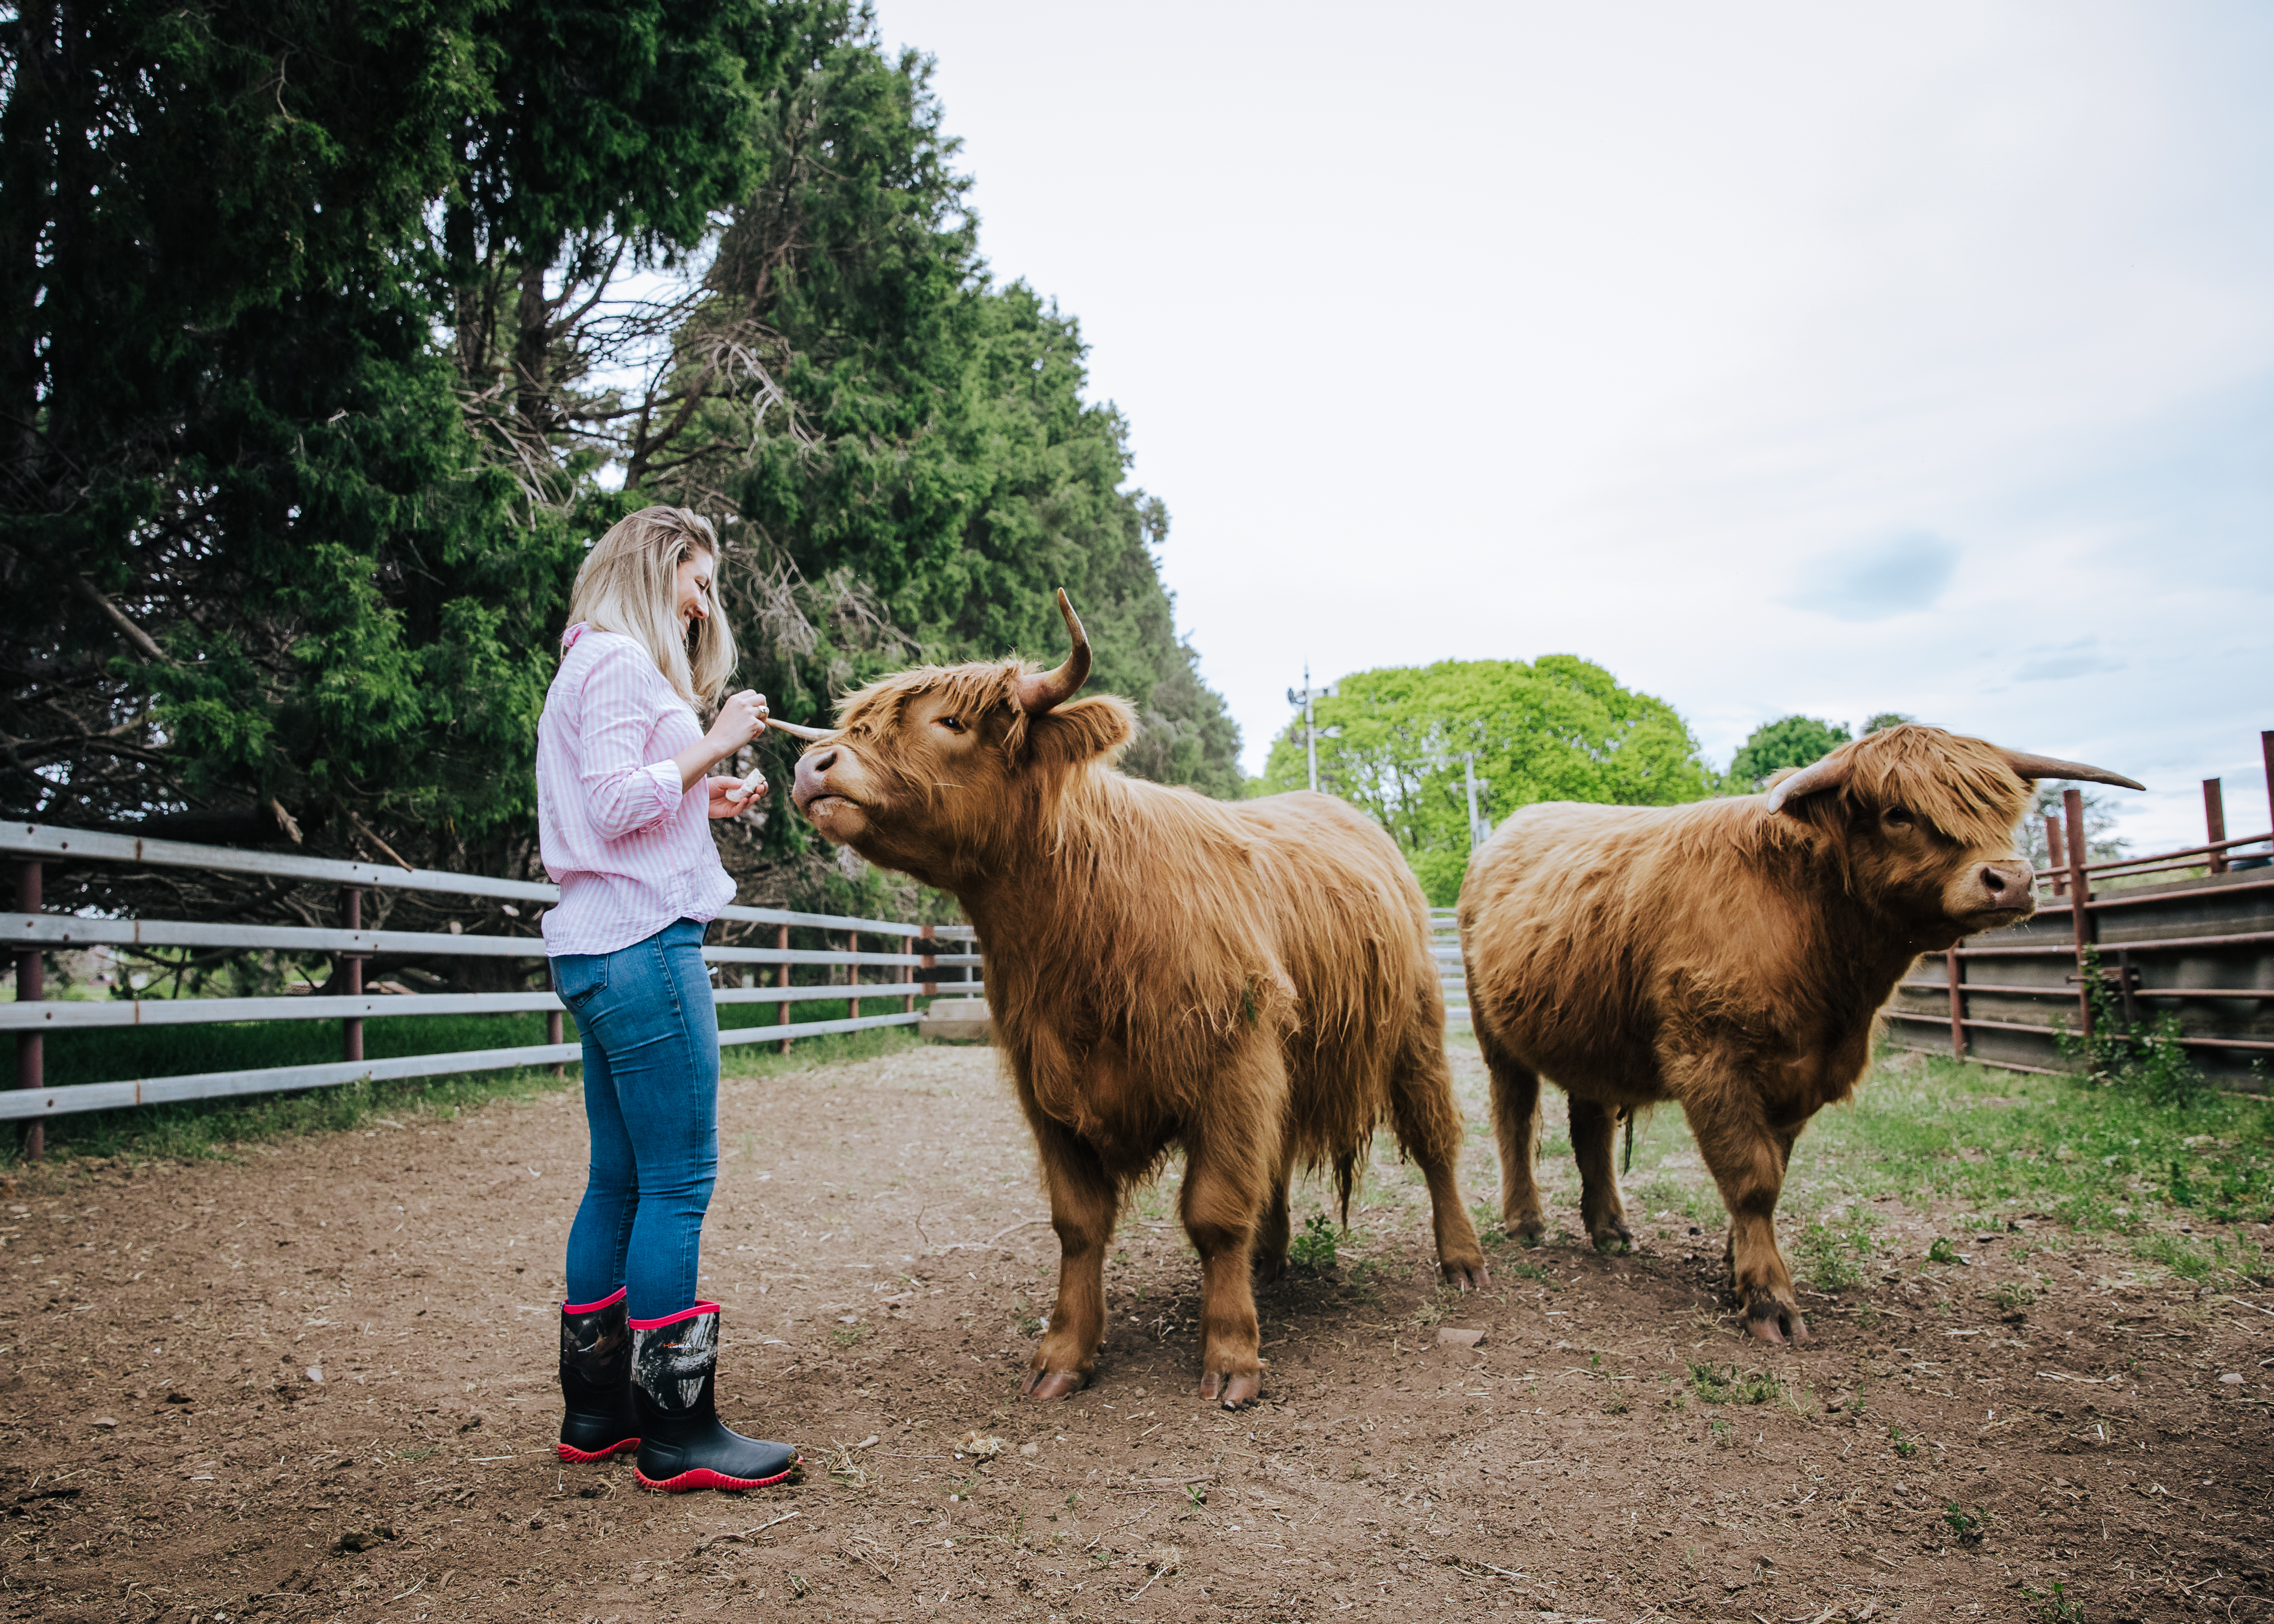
30	932
1445	947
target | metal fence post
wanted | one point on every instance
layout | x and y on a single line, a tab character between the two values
2056	858
2266	747
351	968
31	988
2214	822
781	941
1951	963
552	1022
2080	901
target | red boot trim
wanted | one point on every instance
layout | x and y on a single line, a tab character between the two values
704	1478
586	1308
684	1313
585	1456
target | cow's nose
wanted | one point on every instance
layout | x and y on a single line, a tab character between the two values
2007	886
806	783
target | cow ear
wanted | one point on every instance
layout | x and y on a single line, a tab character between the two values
1085	731
1789	788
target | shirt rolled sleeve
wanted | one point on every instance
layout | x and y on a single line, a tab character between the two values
623	793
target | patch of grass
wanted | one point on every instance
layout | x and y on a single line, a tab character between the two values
2012	1294
1833	1255
1720	1431
1751	1387
2199	1260
2055	1606
1942	1251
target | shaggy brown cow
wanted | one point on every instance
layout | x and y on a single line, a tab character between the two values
1731	955
1252	982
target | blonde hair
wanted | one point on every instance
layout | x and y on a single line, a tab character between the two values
630	584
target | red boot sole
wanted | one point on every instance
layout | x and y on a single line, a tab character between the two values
704	1478
586	1456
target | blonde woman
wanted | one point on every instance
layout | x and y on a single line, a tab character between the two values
624	793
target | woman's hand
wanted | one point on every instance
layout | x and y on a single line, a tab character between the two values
732	797
741	719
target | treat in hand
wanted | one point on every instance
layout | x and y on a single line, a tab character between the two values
752	786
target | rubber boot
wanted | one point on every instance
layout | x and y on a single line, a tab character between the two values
684	1444
598	1418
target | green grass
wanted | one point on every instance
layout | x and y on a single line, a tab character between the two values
213	1128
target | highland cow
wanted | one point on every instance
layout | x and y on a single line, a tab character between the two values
1730	955
1251	981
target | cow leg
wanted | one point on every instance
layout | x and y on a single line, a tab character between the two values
1226	1193
1428	1125
1083	1205
1516	1124
1747	1158
1594	1139
1277	1227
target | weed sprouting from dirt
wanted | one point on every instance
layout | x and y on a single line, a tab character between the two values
1942	1250
2055	1606
1314	1245
1833	1255
1902	1442
1967	1527
2012	1294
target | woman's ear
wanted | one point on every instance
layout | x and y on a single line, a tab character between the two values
1082	731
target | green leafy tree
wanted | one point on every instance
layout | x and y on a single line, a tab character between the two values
1790	741
1885	719
1560	728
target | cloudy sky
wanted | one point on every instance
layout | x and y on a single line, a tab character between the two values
1780	358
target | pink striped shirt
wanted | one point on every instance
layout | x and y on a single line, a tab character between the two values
629	851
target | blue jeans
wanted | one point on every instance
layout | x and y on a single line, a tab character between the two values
650	1036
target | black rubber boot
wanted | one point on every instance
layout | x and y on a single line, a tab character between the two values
598	1418
684	1444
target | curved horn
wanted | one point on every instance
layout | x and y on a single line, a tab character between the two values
1825	774
1041	691
2027	766
811	735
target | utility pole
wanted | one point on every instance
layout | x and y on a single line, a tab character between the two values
1304	696
1479	826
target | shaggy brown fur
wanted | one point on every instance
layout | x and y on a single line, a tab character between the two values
1251	981
1727	957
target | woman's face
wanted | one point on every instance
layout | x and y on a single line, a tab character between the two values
693	602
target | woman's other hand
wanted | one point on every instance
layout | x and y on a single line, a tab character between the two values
732	797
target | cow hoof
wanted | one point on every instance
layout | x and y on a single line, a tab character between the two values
1051	1384
1235	1392
1467	1276
1527	1231
1269	1269
1773	1322
1614	1237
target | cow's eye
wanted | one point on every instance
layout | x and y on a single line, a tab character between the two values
953	724
1899	816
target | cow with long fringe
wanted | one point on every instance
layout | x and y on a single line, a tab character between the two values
1731	956
1251	981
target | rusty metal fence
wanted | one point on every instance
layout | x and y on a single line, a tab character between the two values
909	972
2200	948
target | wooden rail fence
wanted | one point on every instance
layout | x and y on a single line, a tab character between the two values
912	973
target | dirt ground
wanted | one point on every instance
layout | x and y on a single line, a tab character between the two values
1614	1448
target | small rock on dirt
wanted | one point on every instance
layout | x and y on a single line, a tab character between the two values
1458	1336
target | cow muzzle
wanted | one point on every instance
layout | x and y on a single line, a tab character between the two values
2005	891
816	794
